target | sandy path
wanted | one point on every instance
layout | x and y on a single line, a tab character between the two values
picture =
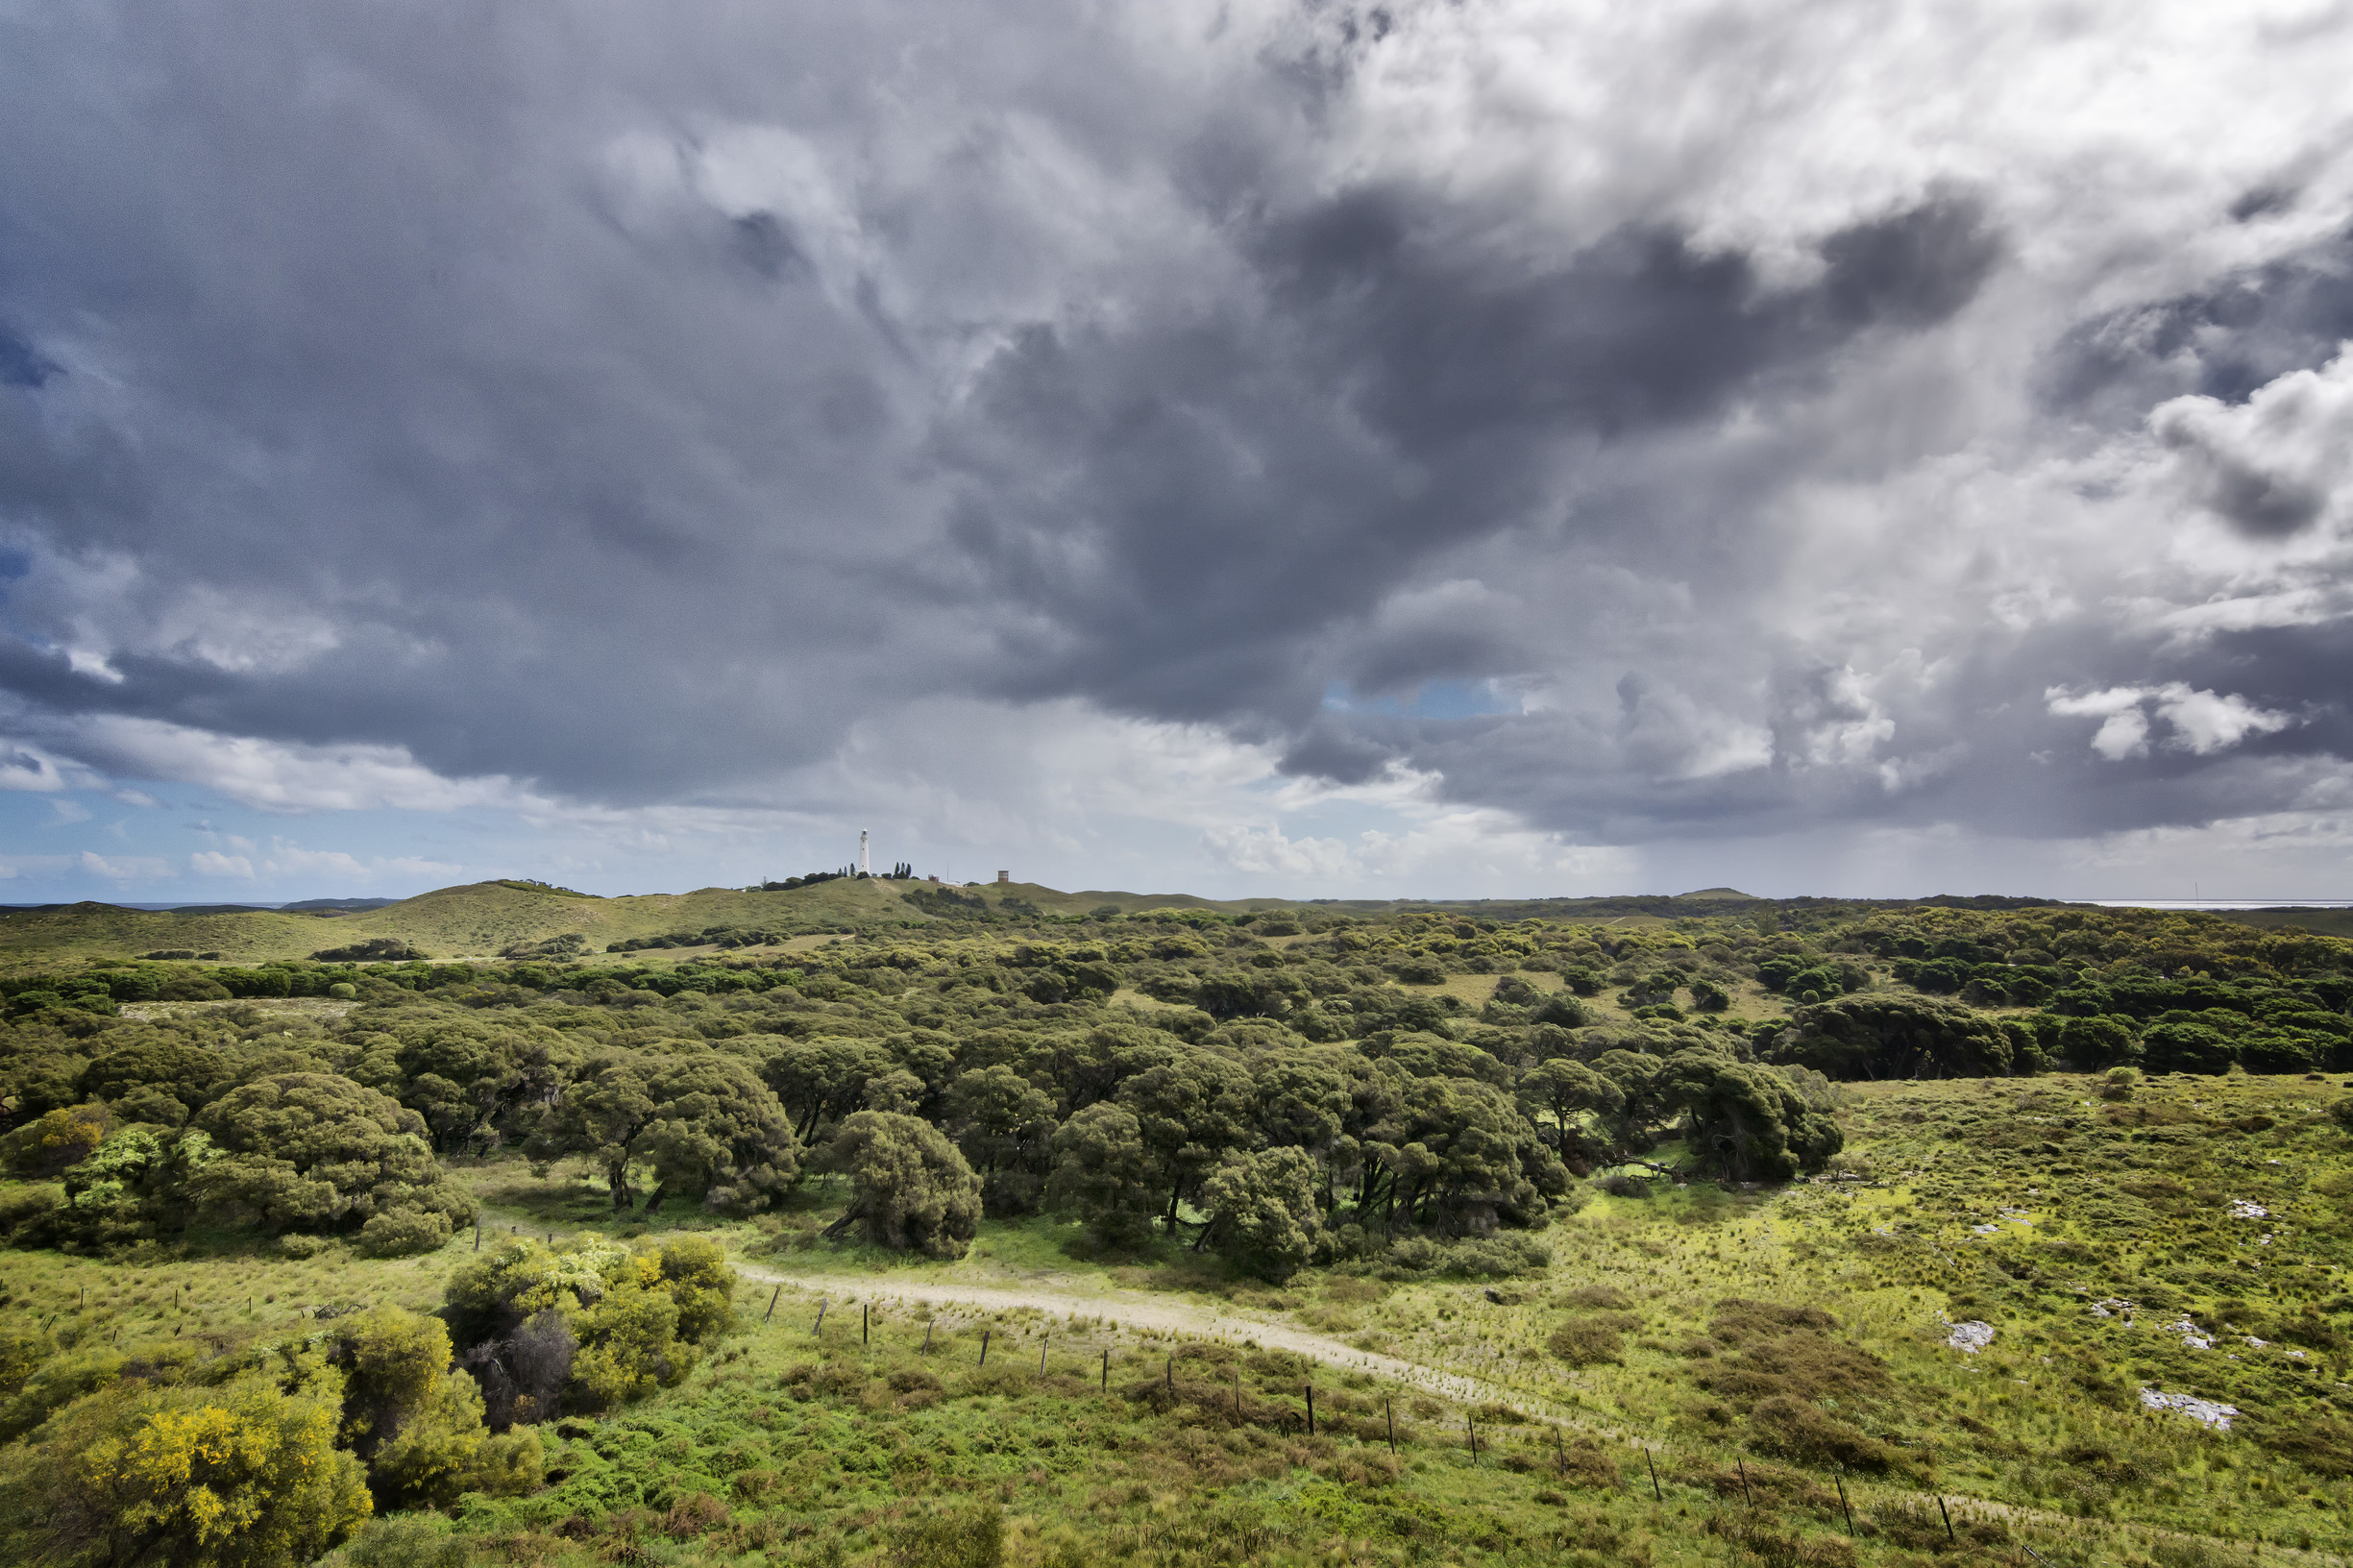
1165	1317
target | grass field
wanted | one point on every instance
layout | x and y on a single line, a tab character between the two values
1658	1336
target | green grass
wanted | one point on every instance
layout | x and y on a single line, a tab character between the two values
2044	1430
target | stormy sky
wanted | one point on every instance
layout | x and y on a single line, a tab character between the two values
1450	448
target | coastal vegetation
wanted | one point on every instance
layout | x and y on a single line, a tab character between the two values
1821	1231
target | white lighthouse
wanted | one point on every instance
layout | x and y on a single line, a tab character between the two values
863	868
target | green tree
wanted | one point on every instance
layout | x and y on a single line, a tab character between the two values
822	1077
1262	1211
1099	1168
1191	1106
709	1128
911	1187
1005	1126
1563	1091
1747	1122
314	1151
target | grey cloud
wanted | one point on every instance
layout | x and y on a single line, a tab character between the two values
2223	341
1029	370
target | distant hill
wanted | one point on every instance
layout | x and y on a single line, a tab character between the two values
482	919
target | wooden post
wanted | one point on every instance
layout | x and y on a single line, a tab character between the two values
1744	1483
477	1232
1560	1454
1171	1374
772	1299
1107	1371
1840	1476
1310	1409
1042	1344
928	1323
822	1302
1389	1413
1472	1427
1940	1507
984	1347
1656	1496
1238	1394
865	1324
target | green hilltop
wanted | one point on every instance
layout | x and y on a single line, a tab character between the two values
481	920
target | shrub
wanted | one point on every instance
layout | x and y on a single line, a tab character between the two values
967	1537
409	1541
1805	1431
26	1207
295	1244
56	1142
401	1233
1586	1341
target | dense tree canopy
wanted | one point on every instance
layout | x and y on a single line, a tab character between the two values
911	1187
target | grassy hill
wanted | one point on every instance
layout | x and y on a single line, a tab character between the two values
479	919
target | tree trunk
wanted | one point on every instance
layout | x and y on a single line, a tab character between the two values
617	1179
661	1191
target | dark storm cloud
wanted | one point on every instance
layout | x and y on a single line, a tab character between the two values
1228	488
2223	341
629	403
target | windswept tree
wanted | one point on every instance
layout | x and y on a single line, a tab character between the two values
708	1128
911	1188
1005	1126
1562	1092
1191	1107
1262	1211
313	1151
1749	1122
1099	1175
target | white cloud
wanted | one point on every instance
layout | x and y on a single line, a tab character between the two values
2275	464
276	775
24	766
2203	721
65	811
212	863
123	867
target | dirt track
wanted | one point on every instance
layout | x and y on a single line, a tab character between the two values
1157	1317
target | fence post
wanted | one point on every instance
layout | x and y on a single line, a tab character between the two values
1560	1453
984	1347
477	1232
927	1328
1310	1409
1472	1427
1841	1477
1940	1507
1041	1345
1745	1497
865	1324
1656	1496
1389	1413
1171	1374
1107	1371
823	1302
771	1303
1238	1394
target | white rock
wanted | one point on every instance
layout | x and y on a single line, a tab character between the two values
2204	1411
1971	1338
2242	1209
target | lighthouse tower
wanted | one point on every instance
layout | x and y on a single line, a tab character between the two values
863	869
